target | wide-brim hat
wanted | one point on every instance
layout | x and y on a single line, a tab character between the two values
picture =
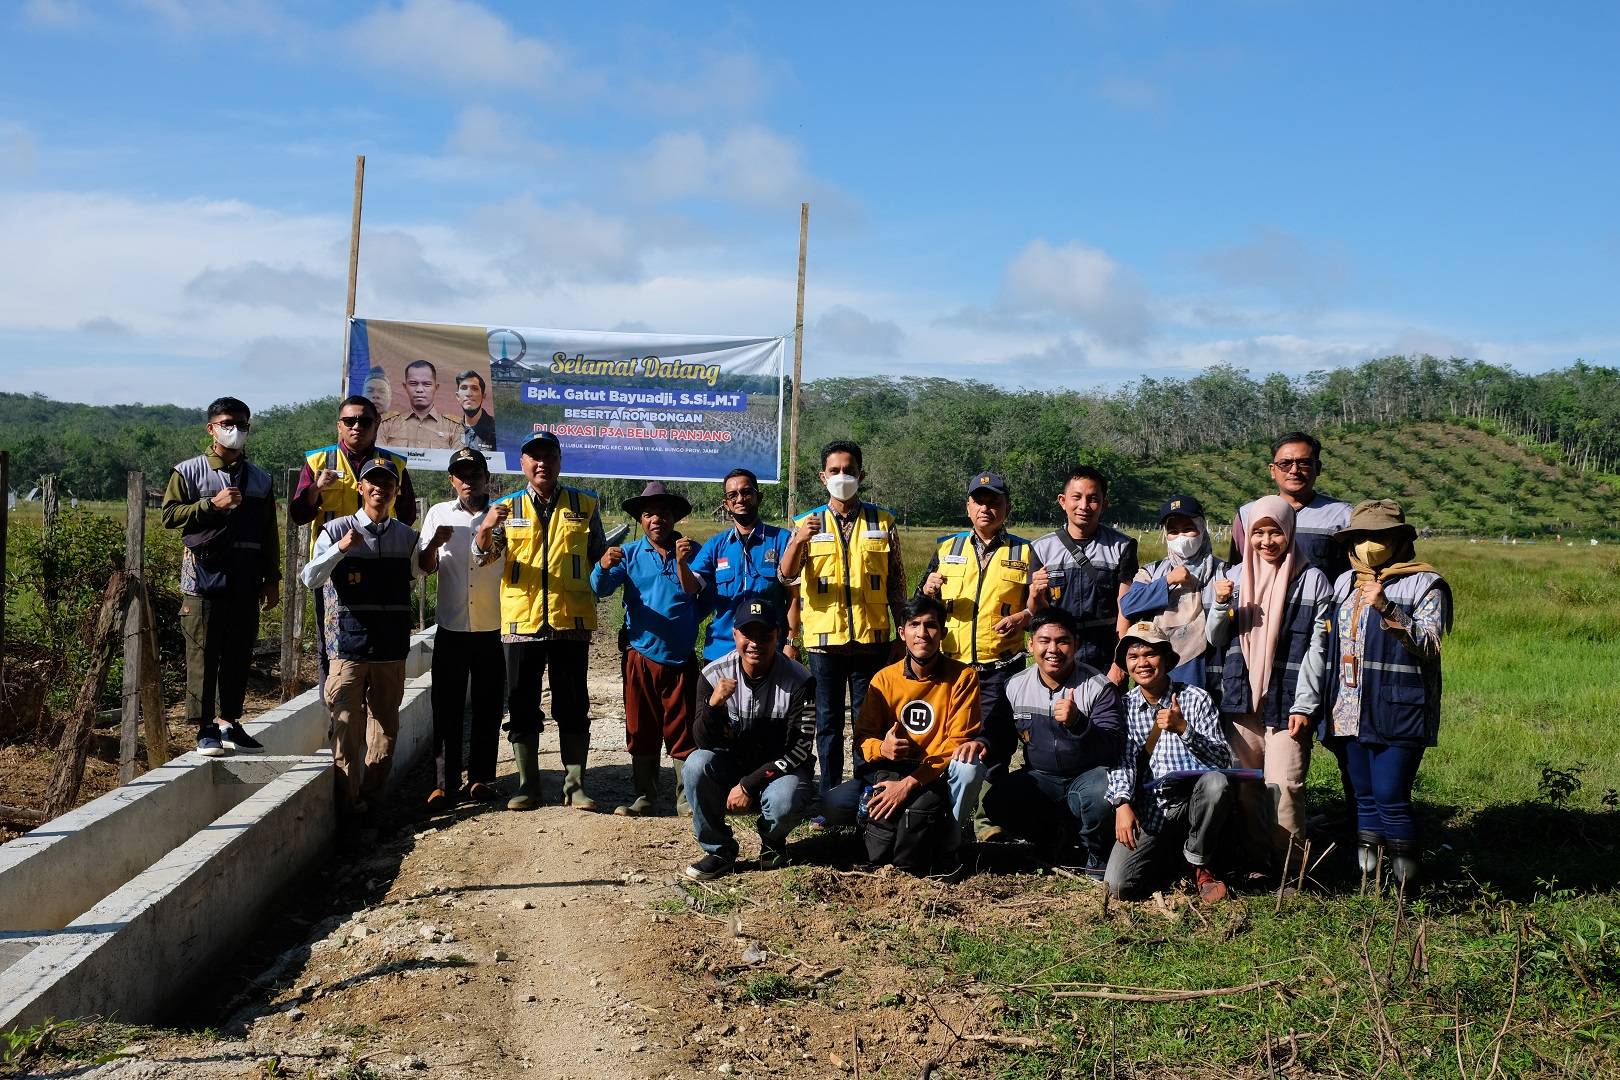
1143	633
653	491
1376	516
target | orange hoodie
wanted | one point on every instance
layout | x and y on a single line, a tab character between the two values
938	713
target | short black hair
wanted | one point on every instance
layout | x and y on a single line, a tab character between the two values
843	446
1296	436
462	377
922	604
362	401
228	406
1048	616
1086	472
752	479
423	363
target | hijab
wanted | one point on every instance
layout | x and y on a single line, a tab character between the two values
1183	623
1263	591
1402	562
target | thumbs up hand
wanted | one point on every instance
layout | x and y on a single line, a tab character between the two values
1064	710
1171	719
896	743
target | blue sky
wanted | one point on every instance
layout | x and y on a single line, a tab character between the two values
1068	194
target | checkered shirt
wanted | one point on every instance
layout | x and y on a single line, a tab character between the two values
1200	747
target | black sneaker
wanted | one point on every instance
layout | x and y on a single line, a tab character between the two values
771	856
210	746
709	867
235	737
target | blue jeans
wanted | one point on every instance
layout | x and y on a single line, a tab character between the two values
1381	778
711	774
1024	801
836	672
963	778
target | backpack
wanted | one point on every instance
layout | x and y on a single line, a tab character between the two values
916	836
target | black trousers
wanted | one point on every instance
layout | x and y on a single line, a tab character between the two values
526	663
996	714
461	658
220	631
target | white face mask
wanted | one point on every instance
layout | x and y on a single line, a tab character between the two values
1184	547
231	438
842	486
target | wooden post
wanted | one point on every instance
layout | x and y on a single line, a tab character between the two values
298	613
5	526
354	263
798	368
67	771
154	724
291	600
422	582
49	501
134	622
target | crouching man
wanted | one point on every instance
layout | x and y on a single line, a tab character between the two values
1068	718
755	730
1172	805
922	758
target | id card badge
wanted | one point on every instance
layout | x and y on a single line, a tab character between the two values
519	522
1349	670
1055	578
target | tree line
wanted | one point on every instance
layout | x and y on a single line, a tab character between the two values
921	433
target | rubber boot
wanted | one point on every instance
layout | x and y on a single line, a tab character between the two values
527	756
1369	847
1404	863
682	807
575	748
644	774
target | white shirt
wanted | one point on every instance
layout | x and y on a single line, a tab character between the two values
469	594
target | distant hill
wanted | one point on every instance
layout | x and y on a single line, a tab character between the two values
1451	477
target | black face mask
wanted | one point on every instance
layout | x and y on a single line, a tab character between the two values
747	519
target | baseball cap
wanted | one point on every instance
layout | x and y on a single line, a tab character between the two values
988	481
752	611
1185	505
378	464
468	456
538	439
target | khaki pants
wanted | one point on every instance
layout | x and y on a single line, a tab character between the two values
364	701
1284	760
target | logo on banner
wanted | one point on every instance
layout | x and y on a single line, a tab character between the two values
506	348
917	717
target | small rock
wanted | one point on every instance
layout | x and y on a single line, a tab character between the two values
637	879
725	1069
429	933
361	932
295	1014
753	954
501	956
448	938
639	1048
414	1062
530	997
523	905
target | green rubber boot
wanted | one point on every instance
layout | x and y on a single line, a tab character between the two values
575	748
527	756
683	808
644	774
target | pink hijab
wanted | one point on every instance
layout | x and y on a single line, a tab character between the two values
1263	591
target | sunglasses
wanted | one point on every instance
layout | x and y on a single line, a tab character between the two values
361	422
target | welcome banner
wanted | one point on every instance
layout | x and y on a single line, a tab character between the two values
637	406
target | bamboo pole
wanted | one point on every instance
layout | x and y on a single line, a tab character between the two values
798	367
290	599
354	262
134	624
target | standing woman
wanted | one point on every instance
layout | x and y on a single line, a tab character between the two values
1391	613
1273	609
1177	592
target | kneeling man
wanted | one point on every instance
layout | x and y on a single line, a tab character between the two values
1173	805
922	755
756	733
1068	719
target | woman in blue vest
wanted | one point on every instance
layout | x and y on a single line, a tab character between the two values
1391	612
1273	608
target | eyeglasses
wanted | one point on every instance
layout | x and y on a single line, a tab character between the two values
1303	464
740	494
239	425
362	422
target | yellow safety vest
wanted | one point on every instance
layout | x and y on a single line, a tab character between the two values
343	498
844	591
547	583
975	602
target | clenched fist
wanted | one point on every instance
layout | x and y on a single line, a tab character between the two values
934	584
612	557
722	692
685	549
351	539
1223	591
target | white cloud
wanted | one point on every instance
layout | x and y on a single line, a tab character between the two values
453	41
730	82
750	165
54	14
256	284
844	330
1282	262
492	136
259	18
544	244
1079	283
102	326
